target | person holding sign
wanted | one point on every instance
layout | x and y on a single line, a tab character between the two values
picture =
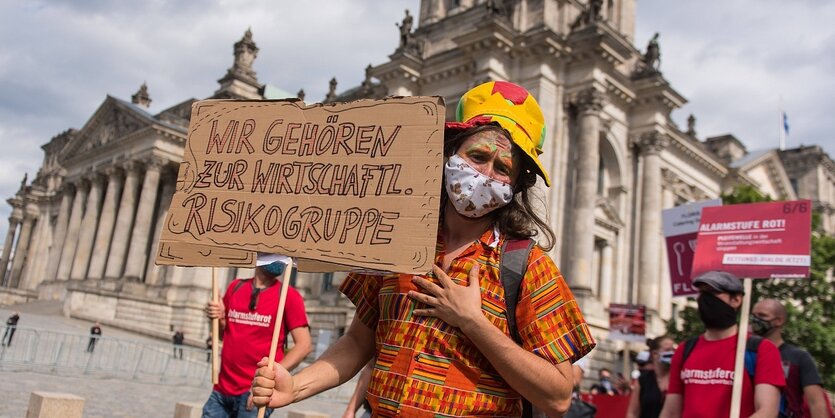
247	320
443	342
702	369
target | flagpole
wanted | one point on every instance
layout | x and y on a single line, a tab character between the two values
782	130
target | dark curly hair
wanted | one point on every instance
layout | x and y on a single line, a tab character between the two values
517	219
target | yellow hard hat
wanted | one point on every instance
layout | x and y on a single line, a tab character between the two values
514	109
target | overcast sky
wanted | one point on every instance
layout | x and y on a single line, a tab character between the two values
732	59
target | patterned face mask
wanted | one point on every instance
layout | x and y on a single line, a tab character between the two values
473	194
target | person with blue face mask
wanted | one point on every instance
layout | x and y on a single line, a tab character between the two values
247	320
647	397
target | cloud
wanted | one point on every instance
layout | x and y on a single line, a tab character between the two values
735	60
59	59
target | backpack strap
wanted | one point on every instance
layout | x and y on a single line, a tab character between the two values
689	345
751	347
238	285
513	264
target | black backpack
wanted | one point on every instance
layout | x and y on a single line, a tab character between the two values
512	268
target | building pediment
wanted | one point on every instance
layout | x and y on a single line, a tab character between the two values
766	169
606	214
111	122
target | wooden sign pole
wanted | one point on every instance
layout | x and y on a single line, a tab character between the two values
215	331
742	339
279	319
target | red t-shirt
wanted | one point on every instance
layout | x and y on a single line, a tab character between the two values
705	381
247	336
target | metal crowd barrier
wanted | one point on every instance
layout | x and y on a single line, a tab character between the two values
65	353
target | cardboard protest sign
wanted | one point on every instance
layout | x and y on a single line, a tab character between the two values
681	227
757	240
627	322
336	186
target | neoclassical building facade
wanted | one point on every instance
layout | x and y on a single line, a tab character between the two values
85	228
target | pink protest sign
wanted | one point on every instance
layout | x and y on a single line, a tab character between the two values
757	240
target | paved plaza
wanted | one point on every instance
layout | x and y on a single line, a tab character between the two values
114	396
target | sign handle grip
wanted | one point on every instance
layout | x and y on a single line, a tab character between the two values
279	319
741	340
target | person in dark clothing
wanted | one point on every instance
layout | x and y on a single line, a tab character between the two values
179	338
802	379
209	349
95	334
11	327
648	394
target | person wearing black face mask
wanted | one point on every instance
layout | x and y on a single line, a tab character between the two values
802	380
701	382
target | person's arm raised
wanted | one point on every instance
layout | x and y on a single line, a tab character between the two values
277	388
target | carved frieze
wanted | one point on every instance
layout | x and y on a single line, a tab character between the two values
652	142
591	100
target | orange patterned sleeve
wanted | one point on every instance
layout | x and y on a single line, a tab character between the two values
549	319
362	291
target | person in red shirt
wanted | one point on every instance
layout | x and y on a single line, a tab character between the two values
247	319
701	385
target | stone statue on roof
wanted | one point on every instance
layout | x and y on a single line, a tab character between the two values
652	58
405	30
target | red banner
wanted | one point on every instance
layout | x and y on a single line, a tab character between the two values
757	240
627	322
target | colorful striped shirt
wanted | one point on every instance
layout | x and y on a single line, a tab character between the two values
427	368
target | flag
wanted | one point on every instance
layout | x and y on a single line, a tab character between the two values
785	123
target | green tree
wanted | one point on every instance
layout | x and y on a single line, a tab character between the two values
810	302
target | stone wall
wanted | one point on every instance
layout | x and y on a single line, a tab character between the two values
10	296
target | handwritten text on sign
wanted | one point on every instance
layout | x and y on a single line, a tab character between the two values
353	184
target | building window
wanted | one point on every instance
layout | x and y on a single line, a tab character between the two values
601	178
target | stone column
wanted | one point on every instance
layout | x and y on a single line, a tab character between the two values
606	272
124	223
7	247
21	250
106	223
587	160
649	260
153	271
144	218
71	239
666	300
60	233
87	232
